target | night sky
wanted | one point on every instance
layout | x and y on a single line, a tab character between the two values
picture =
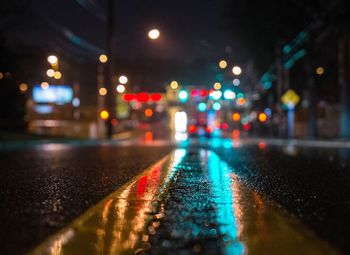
190	29
195	35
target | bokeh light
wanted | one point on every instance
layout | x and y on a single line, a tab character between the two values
76	102
44	85
229	94
217	85
104	114
262	117
202	107
102	91
120	88
123	79
216	106
154	34
183	95
23	87
222	64
50	72
52	59
215	95
174	84
320	70
236	117
148	112
236	70
236	82
103	58
57	75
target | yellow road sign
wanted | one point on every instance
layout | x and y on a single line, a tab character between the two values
290	98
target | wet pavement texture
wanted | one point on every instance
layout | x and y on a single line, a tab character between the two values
221	198
45	187
311	183
209	211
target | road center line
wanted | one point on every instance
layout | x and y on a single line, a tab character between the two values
117	224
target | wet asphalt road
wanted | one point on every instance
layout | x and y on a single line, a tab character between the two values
312	183
44	188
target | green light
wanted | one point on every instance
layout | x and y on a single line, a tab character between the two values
216	106
202	107
183	95
240	95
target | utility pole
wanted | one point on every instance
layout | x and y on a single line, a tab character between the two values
111	98
344	79
279	88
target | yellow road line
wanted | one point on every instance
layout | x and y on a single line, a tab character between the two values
117	224
123	222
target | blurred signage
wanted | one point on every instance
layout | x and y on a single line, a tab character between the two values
290	98
57	94
43	109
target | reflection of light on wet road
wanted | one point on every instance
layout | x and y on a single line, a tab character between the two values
219	175
256	226
188	202
122	222
53	146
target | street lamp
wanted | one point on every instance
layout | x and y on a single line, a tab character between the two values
223	64
174	84
123	79
57	75
120	88
236	70
52	59
154	34
102	91
50	72
103	58
217	85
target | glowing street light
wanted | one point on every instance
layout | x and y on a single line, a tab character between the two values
223	64
217	85
236	70
52	59
123	79
102	91
154	34
120	88
174	84
236	82
50	72
57	75
23	87
103	58
320	70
